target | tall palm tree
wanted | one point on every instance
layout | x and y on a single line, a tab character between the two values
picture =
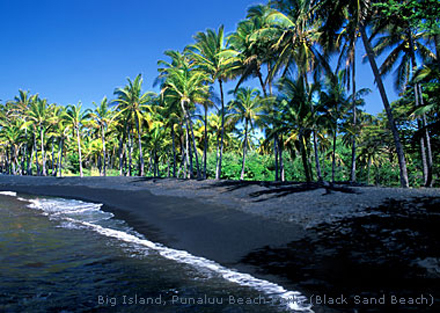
22	102
246	108
334	12
76	117
212	56
62	129
131	102
103	116
336	102
295	105
406	47
296	46
187	86
38	113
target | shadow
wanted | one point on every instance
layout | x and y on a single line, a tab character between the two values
281	189
393	251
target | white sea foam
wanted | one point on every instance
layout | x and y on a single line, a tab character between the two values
76	214
8	193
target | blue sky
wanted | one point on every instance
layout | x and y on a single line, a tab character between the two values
81	50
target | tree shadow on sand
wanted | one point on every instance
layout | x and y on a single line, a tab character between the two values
282	189
392	250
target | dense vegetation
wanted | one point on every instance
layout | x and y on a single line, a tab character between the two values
303	123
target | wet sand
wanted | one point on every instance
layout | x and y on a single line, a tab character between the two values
319	239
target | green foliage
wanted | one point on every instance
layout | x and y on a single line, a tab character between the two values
286	50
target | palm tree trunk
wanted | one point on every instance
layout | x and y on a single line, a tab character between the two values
353	139
79	152
14	160
184	151
222	96
154	163
7	161
188	154
369	169
130	151
334	155
428	142
205	149
60	157
422	139
141	157
263	87
244	149
317	163
304	157
53	155
399	149
23	165
275	152
55	172
121	156
174	151
280	150
191	167
189	125
217	155
418	98
36	155
28	161
42	151
104	155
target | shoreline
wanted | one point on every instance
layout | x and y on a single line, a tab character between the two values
216	232
283	232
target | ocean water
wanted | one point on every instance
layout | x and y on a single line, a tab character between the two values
59	255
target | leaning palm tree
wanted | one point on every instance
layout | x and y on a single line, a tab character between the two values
246	108
335	12
130	103
76	117
406	48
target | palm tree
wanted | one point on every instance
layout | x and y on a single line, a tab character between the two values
11	133
169	112
38	114
246	108
22	102
76	117
295	105
187	86
62	130
296	47
131	102
253	40
406	47
103	116
340	32
363	13
336	103
212	56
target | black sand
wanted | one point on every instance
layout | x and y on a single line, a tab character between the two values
391	250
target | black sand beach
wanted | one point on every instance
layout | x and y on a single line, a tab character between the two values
339	241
